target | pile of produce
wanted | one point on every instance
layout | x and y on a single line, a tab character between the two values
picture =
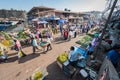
38	76
94	30
84	41
62	58
44	33
7	42
22	35
6	35
6	39
5	47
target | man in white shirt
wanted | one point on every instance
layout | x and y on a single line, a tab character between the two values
35	45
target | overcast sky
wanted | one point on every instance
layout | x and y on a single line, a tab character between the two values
73	5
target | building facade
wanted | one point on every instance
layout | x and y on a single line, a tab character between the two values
46	12
12	15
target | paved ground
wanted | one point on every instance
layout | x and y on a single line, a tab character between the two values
20	71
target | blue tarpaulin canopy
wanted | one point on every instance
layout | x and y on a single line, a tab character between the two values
49	18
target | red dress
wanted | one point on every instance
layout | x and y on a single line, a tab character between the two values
65	34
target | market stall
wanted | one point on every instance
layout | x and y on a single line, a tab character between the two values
107	71
64	64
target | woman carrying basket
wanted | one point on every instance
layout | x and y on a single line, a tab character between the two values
18	48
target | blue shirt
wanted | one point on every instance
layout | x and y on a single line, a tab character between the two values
73	55
90	48
61	22
113	56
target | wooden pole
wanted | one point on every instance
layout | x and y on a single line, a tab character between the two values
106	25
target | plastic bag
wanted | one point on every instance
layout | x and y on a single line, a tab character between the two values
20	54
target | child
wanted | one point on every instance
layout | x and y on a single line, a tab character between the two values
65	34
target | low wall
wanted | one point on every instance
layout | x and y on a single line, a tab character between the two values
107	71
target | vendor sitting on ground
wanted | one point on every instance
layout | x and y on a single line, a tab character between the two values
74	56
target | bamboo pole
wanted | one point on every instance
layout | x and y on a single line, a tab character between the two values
106	25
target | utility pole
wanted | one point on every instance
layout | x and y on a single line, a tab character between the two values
106	25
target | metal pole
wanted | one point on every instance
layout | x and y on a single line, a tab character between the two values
106	25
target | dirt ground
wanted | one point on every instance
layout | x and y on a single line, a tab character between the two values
12	70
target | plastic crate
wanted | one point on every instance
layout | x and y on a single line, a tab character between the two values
69	70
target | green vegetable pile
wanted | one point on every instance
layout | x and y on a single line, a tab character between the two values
91	35
84	41
22	35
7	36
